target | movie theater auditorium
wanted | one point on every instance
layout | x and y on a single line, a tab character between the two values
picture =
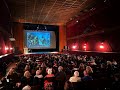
59	45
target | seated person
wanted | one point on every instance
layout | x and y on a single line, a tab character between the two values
27	87
38	79
75	77
86	77
74	82
49	80
60	78
11	78
25	80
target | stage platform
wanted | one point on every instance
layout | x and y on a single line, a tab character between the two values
41	52
37	53
89	53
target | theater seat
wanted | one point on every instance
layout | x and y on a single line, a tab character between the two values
37	87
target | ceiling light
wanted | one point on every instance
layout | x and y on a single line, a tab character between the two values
77	21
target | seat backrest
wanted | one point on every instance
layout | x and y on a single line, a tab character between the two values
36	87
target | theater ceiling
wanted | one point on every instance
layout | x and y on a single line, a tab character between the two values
56	12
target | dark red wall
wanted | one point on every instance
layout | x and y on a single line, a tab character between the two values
4	42
4	28
100	24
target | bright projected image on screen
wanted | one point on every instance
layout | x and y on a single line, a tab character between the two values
40	39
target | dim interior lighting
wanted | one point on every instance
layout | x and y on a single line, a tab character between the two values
74	47
102	46
6	48
84	46
12	39
11	48
54	52
41	28
1	56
